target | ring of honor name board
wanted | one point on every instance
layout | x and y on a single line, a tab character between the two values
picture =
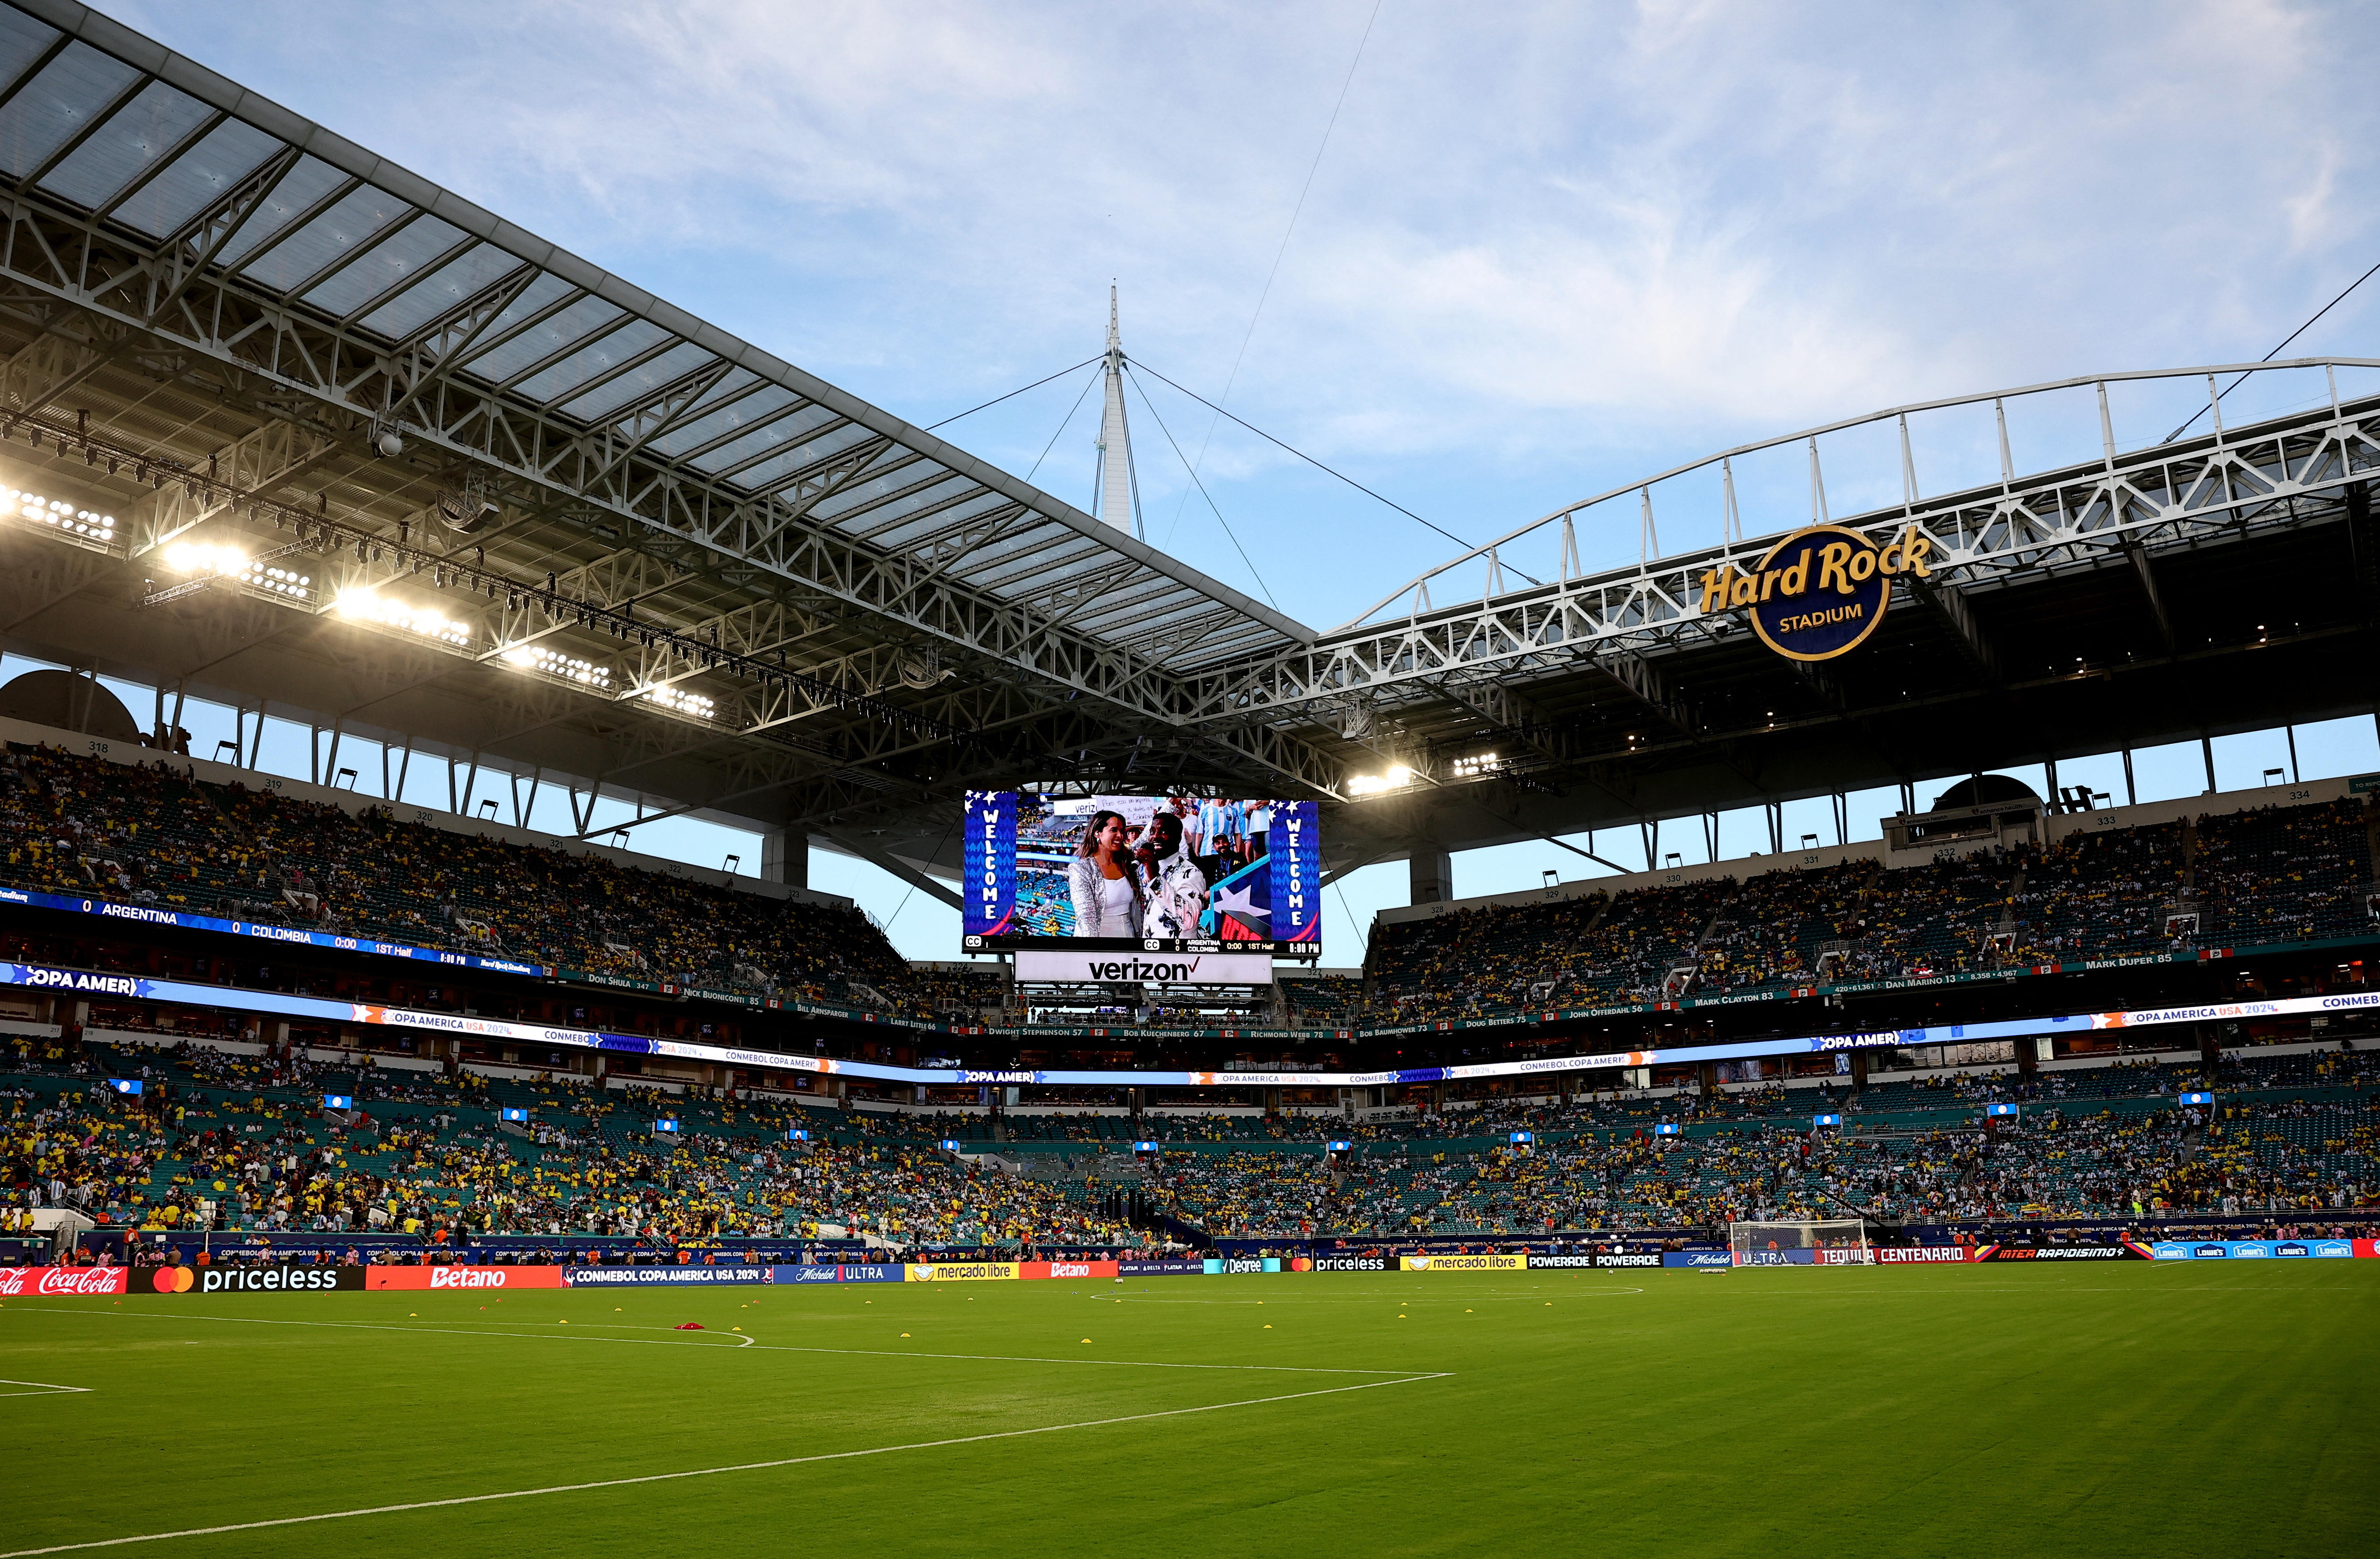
1144	873
1821	591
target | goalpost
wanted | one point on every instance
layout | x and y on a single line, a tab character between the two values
1824	1242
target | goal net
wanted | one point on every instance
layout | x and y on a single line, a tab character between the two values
1817	1243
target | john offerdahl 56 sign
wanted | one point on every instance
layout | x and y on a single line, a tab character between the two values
1819	592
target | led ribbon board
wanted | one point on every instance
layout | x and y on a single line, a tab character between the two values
1819	592
232	999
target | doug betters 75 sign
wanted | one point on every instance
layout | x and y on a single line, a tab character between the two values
1820	592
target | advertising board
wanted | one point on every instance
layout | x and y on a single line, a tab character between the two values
1234	1266
1066	1269
963	1272
461	1279
662	1277
2253	1249
849	1272
1709	1259
1339	1265
51	1282
1483	1264
2119	1251
1902	1255
1161	1269
283	1278
1141	873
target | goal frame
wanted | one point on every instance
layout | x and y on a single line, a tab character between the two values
1798	1242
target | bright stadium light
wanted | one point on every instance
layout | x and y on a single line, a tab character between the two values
554	662
59	514
1397	778
198	560
390	613
682	701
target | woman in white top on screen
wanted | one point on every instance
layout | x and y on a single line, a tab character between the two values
1104	880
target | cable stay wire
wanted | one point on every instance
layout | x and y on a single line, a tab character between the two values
2276	351
1069	418
1201	487
1321	466
1303	190
1011	396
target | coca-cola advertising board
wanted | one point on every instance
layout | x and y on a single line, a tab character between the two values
16	1282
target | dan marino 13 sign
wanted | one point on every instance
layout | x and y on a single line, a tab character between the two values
1820	592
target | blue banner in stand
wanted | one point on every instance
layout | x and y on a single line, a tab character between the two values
662	1277
1999	1109
514	1115
1666	1128
2198	1099
153	917
1826	1120
338	1101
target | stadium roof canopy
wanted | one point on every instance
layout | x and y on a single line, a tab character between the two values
524	512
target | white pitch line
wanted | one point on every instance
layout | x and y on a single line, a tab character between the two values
709	1471
47	1389
765	1348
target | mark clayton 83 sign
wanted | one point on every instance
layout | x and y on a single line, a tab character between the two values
1820	592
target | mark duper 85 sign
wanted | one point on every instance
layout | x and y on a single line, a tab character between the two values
1820	592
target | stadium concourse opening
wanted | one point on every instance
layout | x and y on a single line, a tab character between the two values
353	1139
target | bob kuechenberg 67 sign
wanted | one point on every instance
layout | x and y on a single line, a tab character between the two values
1819	592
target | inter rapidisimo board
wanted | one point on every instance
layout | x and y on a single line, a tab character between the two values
1978	1410
1166	874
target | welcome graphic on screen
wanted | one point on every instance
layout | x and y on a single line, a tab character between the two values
1157	873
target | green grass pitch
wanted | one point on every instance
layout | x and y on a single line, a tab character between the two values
2091	1410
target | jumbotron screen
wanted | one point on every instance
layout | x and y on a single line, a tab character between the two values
1144	873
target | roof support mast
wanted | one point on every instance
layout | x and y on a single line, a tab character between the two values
1117	487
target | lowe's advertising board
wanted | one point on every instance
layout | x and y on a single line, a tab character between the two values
2254	1250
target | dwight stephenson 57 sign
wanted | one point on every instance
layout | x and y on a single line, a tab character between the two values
1820	592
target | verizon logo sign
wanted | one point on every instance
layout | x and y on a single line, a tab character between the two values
1144	968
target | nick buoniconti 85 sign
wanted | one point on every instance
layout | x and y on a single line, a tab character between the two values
1819	592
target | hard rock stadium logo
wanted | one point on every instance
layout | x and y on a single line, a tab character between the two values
1819	592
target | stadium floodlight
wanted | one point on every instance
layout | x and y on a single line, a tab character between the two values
371	607
1819	1242
125	1085
2198	1099
200	560
58	514
554	662
512	1114
1826	1120
678	700
1999	1109
1397	777
338	1101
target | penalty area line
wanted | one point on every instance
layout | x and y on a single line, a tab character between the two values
44	1389
712	1471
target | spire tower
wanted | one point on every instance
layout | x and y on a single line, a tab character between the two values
1118	491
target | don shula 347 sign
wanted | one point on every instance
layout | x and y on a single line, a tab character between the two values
1819	592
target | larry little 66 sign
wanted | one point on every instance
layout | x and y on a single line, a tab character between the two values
1819	592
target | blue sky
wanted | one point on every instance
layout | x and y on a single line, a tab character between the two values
1545	251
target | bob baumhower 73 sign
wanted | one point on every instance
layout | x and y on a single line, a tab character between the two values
1820	592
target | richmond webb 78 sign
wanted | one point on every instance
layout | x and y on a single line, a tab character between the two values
1819	592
